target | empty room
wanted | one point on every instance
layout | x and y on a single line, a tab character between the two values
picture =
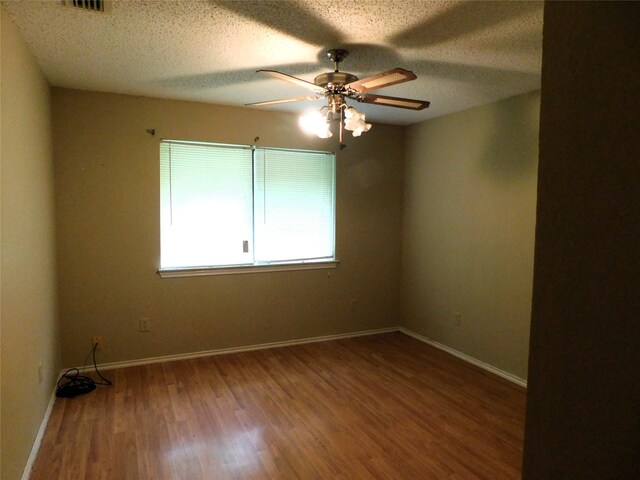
303	239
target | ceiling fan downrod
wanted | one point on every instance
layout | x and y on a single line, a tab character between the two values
336	55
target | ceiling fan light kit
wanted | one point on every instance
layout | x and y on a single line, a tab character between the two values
339	86
354	121
316	123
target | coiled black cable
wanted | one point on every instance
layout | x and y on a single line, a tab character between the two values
71	383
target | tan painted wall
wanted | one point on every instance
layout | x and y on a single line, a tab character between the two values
107	184
469	219
28	311
583	407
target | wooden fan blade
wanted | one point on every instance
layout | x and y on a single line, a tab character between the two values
384	79
398	102
294	80
283	100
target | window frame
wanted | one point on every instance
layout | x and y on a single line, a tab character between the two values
256	267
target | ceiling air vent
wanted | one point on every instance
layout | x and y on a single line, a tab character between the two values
100	6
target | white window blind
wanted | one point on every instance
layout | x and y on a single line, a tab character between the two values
294	205
206	204
225	205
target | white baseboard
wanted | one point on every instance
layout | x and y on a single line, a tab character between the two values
247	348
474	361
26	473
324	338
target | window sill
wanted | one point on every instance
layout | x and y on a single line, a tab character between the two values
236	269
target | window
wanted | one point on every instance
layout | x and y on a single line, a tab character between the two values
239	206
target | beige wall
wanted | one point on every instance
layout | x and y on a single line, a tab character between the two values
583	407
469	219
28	311
107	184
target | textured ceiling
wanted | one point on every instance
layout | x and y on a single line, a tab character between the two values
464	53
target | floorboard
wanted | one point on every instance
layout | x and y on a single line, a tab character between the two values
377	407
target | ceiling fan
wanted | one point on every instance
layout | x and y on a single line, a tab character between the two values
339	86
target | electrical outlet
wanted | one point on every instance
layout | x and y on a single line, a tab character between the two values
144	324
40	373
98	341
457	318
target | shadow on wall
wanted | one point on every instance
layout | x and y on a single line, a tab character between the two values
510	150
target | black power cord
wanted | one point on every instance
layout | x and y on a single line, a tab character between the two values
72	384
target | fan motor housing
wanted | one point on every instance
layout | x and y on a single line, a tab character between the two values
334	78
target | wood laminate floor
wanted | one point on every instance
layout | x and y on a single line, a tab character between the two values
378	407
